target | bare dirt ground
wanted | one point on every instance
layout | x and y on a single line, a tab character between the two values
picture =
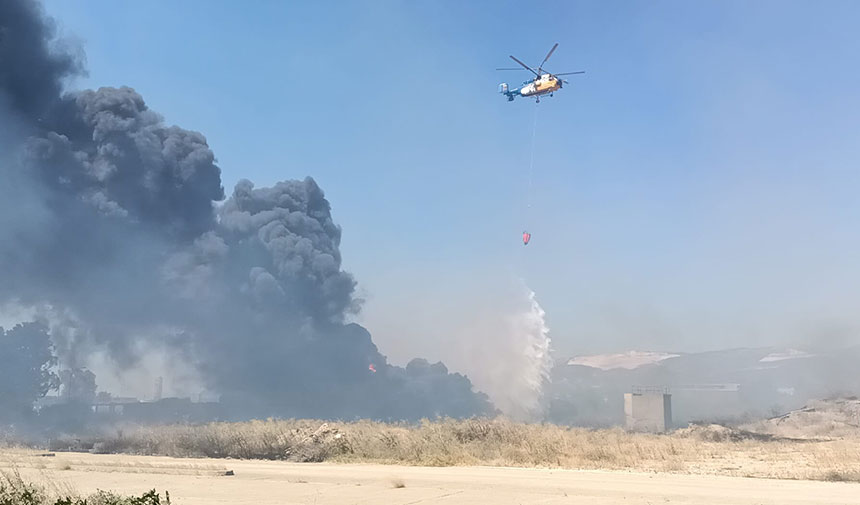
194	481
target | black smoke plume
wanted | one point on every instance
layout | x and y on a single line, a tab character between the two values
109	226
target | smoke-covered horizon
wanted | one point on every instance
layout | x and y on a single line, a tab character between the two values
110	233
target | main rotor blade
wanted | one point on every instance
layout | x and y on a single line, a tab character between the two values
509	69
547	56
571	73
530	69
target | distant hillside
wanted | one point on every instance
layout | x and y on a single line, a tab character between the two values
588	390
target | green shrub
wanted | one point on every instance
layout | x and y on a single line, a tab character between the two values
16	491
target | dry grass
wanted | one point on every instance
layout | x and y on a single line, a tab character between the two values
703	450
837	476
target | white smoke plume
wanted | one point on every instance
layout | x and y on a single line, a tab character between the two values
507	352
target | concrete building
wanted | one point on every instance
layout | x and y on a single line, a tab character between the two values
648	411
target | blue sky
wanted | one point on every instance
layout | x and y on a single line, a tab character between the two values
695	189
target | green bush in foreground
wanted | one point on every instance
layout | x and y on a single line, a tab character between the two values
15	491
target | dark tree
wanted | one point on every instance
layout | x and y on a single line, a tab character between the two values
26	362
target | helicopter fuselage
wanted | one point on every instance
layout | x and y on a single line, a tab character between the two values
540	86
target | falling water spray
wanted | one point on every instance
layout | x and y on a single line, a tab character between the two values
505	349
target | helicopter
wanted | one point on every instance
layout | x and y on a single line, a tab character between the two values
544	82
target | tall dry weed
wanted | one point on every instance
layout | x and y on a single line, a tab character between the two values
499	442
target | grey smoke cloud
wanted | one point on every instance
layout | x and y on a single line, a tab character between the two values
110	229
31	73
